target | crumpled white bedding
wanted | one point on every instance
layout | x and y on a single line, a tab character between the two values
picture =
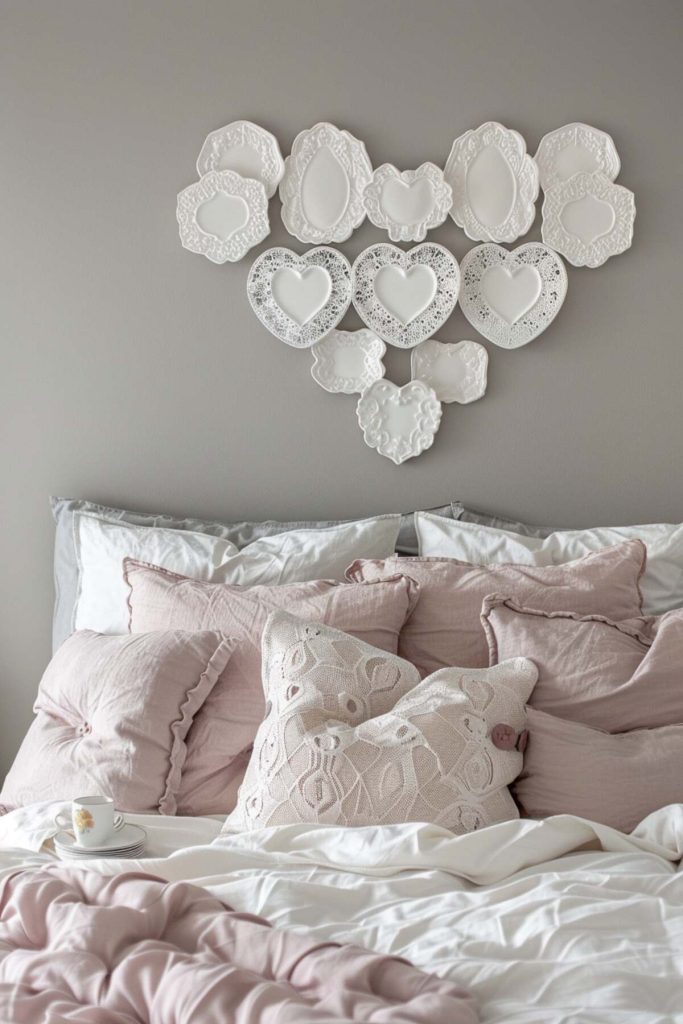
561	921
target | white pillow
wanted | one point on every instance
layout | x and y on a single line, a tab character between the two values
292	557
662	583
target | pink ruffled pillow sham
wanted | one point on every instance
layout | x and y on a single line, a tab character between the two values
445	627
112	714
219	742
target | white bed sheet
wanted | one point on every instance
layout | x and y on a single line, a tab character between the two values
560	922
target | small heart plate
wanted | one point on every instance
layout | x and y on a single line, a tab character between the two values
399	423
300	299
404	297
511	297
408	204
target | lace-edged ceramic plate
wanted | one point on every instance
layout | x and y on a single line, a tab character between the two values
247	149
494	182
456	372
300	298
222	216
322	188
399	422
511	297
347	362
588	219
572	149
405	297
408	204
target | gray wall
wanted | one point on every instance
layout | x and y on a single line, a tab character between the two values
134	373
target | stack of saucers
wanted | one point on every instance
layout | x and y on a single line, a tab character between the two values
128	841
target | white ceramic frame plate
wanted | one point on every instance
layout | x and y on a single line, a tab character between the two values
408	204
404	297
494	182
247	149
399	422
222	216
572	149
322	188
588	219
511	297
456	372
300	298
347	362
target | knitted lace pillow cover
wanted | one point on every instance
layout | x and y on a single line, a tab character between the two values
352	737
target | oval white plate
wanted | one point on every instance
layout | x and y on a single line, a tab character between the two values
247	149
494	182
407	204
456	372
588	219
405	296
347	362
400	423
572	149
511	297
322	188
300	298
222	216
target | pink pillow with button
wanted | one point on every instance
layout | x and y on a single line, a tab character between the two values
112	714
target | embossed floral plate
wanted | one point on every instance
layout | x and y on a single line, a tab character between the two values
494	182
511	297
572	149
347	362
399	422
222	216
300	298
247	149
456	372
588	219
407	204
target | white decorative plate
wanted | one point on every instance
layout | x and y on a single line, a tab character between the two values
347	362
222	216
300	298
322	188
399	422
588	219
455	372
511	297
574	148
408	204
494	182
247	149
405	296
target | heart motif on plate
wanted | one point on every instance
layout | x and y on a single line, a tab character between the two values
399	422
404	297
300	299
511	297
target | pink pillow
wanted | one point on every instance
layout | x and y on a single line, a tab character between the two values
353	737
445	628
615	780
610	675
221	737
112	714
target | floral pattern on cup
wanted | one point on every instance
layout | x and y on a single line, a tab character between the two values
83	820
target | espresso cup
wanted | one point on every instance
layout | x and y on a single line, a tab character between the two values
93	820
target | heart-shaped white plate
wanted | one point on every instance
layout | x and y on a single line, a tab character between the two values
405	296
407	204
511	297
222	216
347	362
300	298
399	423
455	372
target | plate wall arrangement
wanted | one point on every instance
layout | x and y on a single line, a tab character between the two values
399	422
408	204
588	219
222	216
456	372
347	362
247	149
573	149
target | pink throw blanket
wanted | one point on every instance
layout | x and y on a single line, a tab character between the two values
77	947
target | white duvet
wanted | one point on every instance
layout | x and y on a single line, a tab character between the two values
554	921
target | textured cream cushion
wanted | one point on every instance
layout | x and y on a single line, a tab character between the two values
351	737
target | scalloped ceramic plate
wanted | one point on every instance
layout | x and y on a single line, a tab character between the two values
322	188
300	298
347	362
588	219
247	149
407	204
405	296
511	297
572	149
400	423
494	182
456	372
222	216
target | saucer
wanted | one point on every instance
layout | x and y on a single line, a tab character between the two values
128	840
